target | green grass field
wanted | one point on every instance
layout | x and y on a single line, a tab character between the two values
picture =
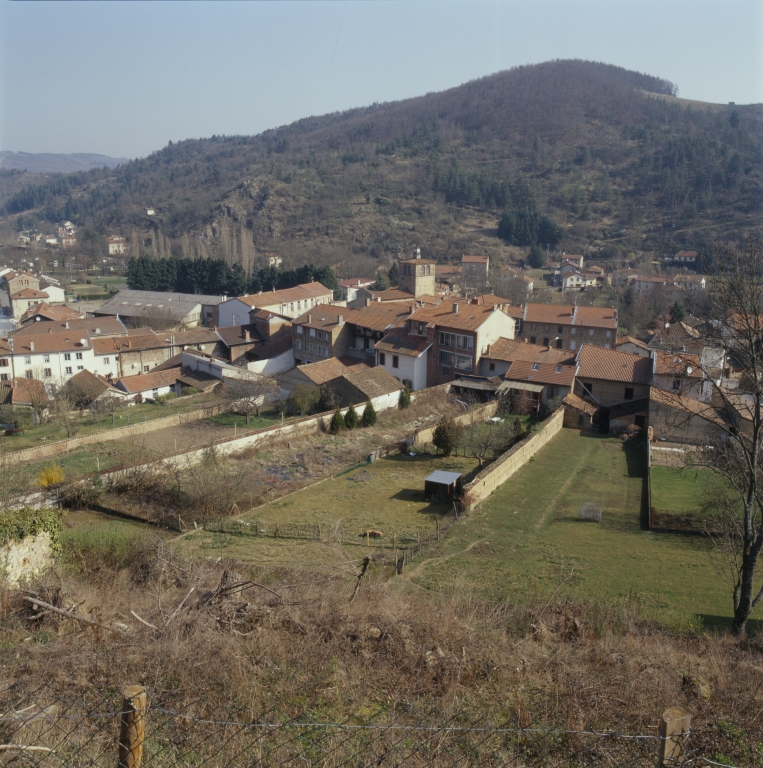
527	538
51	432
678	495
386	496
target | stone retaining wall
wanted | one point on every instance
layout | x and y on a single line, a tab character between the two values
505	466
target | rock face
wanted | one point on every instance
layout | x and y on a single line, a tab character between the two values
21	560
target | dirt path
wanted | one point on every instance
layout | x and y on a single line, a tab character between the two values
565	485
419	569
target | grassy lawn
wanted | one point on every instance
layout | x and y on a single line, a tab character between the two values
386	496
265	419
50	432
678	495
526	538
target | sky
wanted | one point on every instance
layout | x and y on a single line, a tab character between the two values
124	78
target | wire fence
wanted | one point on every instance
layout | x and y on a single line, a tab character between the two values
45	727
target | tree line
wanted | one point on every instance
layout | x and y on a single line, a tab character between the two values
215	277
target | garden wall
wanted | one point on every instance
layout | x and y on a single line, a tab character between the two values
425	436
21	560
505	466
141	428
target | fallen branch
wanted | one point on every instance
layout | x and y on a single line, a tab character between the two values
68	614
366	562
24	748
180	606
143	621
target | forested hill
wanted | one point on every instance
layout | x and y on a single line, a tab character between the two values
608	158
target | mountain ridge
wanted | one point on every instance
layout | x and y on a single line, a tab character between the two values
612	156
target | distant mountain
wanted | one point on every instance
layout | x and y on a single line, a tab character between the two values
47	162
625	168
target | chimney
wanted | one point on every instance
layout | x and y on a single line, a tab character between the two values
455	309
247	336
31	346
340	319
378	298
368	302
310	318
97	331
66	325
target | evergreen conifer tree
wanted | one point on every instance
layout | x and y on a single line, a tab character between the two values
369	415
337	422
405	397
351	417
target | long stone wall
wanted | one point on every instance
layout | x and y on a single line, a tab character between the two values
505	466
141	428
425	436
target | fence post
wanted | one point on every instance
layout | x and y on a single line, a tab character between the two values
132	726
674	731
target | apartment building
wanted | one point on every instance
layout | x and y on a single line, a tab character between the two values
288	302
569	327
321	333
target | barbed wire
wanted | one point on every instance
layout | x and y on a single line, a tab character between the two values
42	725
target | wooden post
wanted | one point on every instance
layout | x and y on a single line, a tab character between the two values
674	731
132	726
437	523
368	539
394	542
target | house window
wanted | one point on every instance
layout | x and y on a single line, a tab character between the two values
3	377
572	346
48	373
311	332
28	374
68	370
382	358
46	359
27	360
154	393
145	369
558	343
609	334
3	362
299	330
588	389
299	343
463	363
553	392
310	348
640	421
532	327
629	393
395	361
79	355
105	360
80	367
560	329
532	339
545	328
446	339
464	342
446	358
491	366
572	331
590	332
676	385
67	356
545	341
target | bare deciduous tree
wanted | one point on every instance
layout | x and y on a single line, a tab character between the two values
734	306
248	393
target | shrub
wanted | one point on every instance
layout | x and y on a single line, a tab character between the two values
351	417
369	415
17	524
83	494
161	399
111	545
405	397
337	422
185	391
51	475
446	435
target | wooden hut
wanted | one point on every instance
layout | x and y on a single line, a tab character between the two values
442	487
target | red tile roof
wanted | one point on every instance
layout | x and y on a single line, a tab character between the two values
325	316
326	370
516	349
542	373
611	365
469	317
145	381
675	364
399	341
380	316
588	317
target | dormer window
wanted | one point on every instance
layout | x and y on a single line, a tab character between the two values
536	366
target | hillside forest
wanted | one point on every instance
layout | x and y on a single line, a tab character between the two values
568	155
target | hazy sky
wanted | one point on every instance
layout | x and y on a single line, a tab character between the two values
123	78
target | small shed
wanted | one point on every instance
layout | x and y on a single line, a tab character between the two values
442	486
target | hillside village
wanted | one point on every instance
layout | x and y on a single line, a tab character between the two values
428	330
